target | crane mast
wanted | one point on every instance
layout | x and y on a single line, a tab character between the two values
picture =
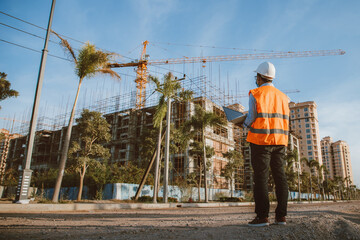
141	72
141	78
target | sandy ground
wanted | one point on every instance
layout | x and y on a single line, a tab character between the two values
305	221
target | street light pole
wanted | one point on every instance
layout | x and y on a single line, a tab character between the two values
25	176
167	151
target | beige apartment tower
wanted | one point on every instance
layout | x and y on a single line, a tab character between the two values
336	157
304	123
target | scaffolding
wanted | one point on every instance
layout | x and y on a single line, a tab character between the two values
201	87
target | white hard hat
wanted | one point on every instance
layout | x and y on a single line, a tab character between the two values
267	70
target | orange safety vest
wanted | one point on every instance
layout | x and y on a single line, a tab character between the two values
271	126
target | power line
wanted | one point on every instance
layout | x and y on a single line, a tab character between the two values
34	35
22	20
23	31
206	46
34	50
38	51
32	24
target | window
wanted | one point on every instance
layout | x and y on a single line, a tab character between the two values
309	147
298	115
307	130
292	111
298	110
306	114
306	120
305	109
309	153
308	136
307	125
308	141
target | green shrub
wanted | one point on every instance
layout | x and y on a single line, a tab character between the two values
150	199
230	199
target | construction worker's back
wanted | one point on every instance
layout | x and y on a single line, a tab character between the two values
271	126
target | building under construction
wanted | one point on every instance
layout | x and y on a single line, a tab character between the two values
129	123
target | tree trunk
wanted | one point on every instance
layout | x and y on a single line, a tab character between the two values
318	181
82	175
311	196
299	187
65	149
204	157
199	186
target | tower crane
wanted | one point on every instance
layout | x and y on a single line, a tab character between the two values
141	72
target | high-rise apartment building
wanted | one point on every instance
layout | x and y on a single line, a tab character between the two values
304	123
336	157
327	155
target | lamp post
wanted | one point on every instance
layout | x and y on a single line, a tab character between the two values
167	151
25	175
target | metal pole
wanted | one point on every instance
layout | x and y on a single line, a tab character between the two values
299	188
25	177
167	154
157	165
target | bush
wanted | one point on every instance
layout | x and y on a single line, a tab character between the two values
220	195
249	197
150	199
230	199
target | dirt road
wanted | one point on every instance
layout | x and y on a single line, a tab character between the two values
305	221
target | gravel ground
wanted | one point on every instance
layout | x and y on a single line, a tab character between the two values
305	221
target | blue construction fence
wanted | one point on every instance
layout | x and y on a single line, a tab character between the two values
125	191
66	193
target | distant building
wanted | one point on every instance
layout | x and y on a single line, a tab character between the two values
127	126
336	157
5	139
304	123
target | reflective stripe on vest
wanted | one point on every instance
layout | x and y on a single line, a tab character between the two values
271	126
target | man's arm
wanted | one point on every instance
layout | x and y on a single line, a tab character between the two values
251	115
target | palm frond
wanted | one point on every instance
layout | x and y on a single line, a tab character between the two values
160	114
112	73
65	44
155	80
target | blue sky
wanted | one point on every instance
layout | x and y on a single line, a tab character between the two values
121	26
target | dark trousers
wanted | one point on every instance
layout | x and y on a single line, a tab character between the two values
264	157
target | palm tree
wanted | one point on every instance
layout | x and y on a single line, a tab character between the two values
318	170
199	122
329	186
88	63
196	150
291	158
5	91
170	89
310	164
321	171
235	161
339	182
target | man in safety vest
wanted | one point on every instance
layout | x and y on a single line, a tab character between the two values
268	123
